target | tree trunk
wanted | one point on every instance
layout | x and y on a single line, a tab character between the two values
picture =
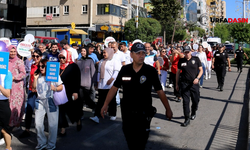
173	33
164	37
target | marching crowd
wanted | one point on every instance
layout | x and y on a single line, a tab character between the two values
95	68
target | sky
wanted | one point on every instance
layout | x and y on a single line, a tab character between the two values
234	8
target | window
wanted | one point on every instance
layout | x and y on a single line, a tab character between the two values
84	9
51	10
66	10
103	9
198	11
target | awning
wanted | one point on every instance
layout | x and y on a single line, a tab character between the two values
72	31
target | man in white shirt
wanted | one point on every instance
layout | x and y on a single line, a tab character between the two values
65	45
128	59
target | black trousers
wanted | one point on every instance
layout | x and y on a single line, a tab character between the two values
136	130
190	90
239	63
220	74
84	95
5	113
170	78
112	105
176	93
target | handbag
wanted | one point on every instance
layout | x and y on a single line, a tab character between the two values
60	97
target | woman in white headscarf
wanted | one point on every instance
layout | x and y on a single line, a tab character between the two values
107	72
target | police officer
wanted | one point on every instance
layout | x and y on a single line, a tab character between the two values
189	83
238	55
219	63
137	111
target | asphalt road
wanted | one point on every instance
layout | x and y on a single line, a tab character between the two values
221	123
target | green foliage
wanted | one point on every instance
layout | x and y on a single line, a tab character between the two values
148	29
245	61
241	32
222	31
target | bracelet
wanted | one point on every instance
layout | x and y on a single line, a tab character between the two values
198	78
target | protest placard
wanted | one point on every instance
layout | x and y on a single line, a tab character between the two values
52	71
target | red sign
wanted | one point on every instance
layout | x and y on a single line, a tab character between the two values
49	16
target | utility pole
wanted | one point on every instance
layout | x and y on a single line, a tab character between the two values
136	18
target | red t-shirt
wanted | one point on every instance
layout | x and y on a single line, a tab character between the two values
174	66
165	64
209	55
32	72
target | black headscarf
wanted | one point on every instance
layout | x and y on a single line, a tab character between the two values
87	53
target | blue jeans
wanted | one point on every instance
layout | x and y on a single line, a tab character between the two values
30	108
201	79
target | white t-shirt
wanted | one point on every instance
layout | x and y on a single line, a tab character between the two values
110	66
202	56
44	89
119	56
128	59
74	53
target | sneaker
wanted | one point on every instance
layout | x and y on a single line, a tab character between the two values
200	86
2	141
25	134
118	104
206	78
95	119
170	85
209	76
51	148
112	118
178	99
41	146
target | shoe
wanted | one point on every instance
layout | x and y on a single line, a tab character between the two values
62	134
209	76
51	148
41	146
240	70
25	134
170	85
206	78
186	122
2	141
118	104
200	86
79	127
178	99
218	87
193	116
112	118
15	129
95	119
221	88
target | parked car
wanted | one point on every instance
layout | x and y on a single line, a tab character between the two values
46	40
229	48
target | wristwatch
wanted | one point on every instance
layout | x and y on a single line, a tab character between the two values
198	78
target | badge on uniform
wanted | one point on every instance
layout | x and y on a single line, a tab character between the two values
183	64
193	61
223	53
143	79
217	54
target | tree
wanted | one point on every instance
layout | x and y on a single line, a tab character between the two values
148	29
241	32
166	12
222	31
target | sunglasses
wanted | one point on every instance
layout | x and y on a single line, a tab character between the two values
43	66
61	57
37	56
164	51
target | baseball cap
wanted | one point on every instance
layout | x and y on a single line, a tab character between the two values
186	48
137	47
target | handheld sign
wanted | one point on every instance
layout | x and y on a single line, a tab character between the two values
23	49
4	62
14	42
205	44
161	61
6	40
109	39
87	41
29	38
52	71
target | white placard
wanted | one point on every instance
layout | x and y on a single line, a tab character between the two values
23	49
109	39
87	41
29	38
6	40
205	44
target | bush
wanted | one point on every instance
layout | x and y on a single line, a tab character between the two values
245	61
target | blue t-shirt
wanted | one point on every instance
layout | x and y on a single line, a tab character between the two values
6	82
53	57
92	56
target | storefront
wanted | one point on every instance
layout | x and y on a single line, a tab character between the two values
103	31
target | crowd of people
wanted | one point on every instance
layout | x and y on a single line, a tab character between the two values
95	68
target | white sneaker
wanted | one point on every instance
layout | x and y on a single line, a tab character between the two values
200	86
95	119
209	77
2	141
41	146
112	118
170	85
205	78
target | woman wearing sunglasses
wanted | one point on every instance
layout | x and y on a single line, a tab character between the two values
46	105
71	77
32	94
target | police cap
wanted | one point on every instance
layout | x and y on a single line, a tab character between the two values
186	48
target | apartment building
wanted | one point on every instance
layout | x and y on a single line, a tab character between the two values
12	18
99	18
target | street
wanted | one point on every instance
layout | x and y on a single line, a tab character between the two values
221	123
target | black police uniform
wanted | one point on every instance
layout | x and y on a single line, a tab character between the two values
136	104
239	58
190	71
220	64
